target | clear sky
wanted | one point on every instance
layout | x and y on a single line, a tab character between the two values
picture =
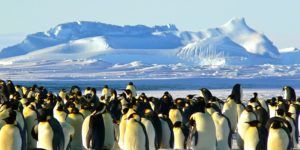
278	19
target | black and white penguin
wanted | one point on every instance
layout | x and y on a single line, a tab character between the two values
279	137
247	115
75	118
98	129
4	94
289	93
231	112
206	94
204	136
150	129
181	133
167	136
135	135
130	86
106	92
223	127
30	115
256	136
68	130
175	114
10	134
48	132
10	87
122	126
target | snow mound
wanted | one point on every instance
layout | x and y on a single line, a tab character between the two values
288	50
254	42
213	51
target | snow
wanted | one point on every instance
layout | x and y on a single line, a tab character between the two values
288	50
95	50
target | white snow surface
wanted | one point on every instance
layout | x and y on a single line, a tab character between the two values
96	50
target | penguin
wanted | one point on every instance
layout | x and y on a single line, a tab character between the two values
181	134
230	111
85	110
175	114
30	115
272	105
48	132
75	119
18	89
205	130
155	120
122	126
150	130
136	137
10	134
223	131
279	137
256	136
167	132
3	92
63	95
206	94
242	126
130	86
289	93
98	130
106	92
10	87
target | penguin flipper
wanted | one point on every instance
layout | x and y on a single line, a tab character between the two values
34	132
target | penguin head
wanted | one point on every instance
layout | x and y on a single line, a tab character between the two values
280	112
45	115
11	119
130	83
177	124
277	124
101	108
249	108
134	116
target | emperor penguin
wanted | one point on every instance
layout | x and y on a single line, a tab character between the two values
289	94
256	136
150	130
279	137
3	92
98	129
106	92
167	132
175	114
272	105
205	131
48	132
10	87
206	94
68	130
130	86
75	119
19	90
181	134
237	91
135	135
30	115
10	134
247	115
230	111
223	127
122	126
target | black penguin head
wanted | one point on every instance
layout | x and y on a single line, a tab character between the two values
277	124
249	108
101	108
280	112
177	124
12	117
190	96
254	95
105	86
130	83
44	114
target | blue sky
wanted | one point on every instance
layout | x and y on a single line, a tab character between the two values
278	19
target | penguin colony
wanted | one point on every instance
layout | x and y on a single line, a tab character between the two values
34	118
